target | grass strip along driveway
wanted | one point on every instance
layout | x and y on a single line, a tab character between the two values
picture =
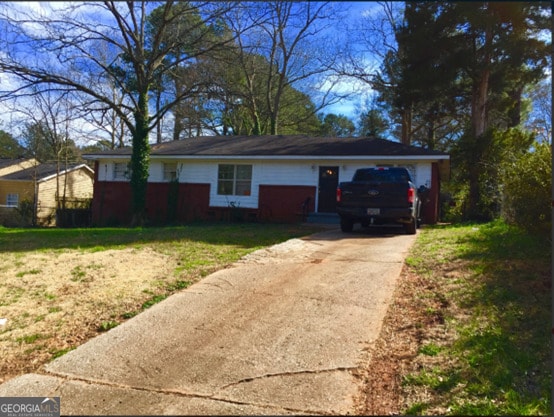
469	330
60	287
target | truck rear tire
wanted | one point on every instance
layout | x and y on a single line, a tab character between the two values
411	227
346	225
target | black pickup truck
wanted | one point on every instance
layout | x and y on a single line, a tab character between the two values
379	196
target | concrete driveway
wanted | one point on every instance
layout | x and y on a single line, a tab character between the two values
283	331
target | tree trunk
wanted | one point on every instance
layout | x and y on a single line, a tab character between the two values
256	128
159	125
479	104
406	126
178	125
140	162
273	125
479	124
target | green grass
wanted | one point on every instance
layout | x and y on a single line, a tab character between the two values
56	353
29	339
30	272
243	236
498	278
430	349
107	325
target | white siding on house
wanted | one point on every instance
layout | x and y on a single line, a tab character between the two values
420	172
287	173
104	170
157	170
423	173
198	172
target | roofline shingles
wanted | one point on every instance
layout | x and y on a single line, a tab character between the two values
39	172
281	146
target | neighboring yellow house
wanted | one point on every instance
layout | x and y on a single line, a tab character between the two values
34	191
7	165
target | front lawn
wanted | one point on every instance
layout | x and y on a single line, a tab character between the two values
60	287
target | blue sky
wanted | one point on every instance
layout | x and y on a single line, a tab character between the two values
362	93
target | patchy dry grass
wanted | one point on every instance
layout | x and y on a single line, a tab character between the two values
60	287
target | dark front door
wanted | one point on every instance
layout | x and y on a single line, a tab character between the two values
327	191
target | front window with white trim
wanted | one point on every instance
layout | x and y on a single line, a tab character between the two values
234	179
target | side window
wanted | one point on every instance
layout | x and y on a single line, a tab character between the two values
225	179
170	171
12	200
121	171
234	179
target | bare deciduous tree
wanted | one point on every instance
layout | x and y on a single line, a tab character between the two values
287	47
61	49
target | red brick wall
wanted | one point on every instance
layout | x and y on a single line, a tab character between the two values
283	203
112	203
194	201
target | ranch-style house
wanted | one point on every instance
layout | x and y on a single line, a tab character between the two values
261	178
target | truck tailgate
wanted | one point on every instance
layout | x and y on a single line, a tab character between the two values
377	194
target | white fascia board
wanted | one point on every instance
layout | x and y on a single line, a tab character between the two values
317	157
90	157
280	157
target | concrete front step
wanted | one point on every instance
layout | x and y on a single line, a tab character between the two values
323	218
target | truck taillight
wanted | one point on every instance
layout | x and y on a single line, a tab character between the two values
339	195
411	195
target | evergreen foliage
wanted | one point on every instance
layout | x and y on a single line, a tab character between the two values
527	184
10	147
457	83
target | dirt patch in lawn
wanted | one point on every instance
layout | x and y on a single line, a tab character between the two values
51	302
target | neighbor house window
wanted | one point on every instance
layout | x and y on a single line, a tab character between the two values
234	179
12	200
170	172
121	171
